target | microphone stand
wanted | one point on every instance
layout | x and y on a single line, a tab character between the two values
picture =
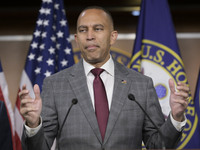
132	98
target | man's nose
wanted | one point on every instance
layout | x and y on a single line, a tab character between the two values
90	35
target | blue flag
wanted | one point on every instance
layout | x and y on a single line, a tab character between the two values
156	54
50	51
194	142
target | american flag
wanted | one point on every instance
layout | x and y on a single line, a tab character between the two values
5	98
50	50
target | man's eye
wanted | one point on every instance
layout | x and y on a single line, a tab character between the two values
98	29
82	30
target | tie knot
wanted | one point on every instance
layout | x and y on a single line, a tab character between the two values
97	71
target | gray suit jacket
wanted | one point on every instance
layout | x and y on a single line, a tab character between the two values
127	125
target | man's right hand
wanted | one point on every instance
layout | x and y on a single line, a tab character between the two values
31	108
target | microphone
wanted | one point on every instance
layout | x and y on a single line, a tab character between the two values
132	98
74	102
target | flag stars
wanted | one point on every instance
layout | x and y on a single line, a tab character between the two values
47	73
50	62
68	39
51	50
56	6
60	34
57	46
45	11
39	22
47	1
54	27
37	70
64	63
44	34
48	11
42	46
46	22
34	45
31	56
63	11
63	22
67	50
54	16
39	59
42	10
37	33
42	22
53	38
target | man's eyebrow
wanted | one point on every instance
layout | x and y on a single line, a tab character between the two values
95	25
98	25
82	26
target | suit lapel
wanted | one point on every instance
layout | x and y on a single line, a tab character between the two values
79	85
121	87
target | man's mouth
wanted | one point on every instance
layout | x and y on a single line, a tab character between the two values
91	47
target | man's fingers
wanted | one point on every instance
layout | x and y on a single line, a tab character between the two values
37	91
24	94
184	103
183	91
25	101
182	95
24	87
171	85
183	87
27	109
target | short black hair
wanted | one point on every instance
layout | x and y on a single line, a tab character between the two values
100	8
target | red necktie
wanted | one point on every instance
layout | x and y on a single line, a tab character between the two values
101	102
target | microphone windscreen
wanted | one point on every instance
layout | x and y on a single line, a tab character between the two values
74	101
131	97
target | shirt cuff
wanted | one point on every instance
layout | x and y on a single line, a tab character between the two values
178	125
32	131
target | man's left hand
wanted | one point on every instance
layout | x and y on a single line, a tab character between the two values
178	100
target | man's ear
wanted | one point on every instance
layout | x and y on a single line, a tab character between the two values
75	37
113	37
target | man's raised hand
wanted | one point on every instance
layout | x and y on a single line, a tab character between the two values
31	108
178	99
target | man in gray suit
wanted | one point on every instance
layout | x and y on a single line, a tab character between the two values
127	125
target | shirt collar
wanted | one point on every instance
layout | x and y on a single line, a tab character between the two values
108	67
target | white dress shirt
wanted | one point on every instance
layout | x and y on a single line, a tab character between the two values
106	76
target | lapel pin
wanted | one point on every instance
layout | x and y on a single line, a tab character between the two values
124	81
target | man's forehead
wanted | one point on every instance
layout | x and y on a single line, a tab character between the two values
93	14
91	17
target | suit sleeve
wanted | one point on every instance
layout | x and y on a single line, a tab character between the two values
151	136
